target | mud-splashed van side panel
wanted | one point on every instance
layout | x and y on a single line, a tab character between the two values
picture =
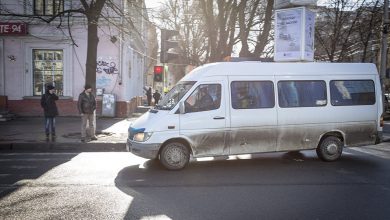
286	138
357	134
250	140
209	144
300	137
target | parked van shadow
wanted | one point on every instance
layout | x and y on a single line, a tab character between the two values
159	192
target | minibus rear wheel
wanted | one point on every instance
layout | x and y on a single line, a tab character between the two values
330	149
174	156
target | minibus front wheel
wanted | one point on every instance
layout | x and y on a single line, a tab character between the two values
330	149
174	156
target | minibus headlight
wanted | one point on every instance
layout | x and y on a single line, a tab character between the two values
142	136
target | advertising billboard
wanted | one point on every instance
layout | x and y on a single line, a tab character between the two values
294	34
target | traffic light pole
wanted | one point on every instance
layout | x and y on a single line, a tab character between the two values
164	79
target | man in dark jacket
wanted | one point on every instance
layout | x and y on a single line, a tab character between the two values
156	96
149	96
87	109
48	103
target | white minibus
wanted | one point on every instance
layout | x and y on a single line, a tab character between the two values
233	108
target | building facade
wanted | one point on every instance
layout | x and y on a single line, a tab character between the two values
35	53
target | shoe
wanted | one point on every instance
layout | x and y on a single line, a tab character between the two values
83	140
47	137
94	138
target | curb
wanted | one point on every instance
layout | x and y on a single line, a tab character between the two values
62	147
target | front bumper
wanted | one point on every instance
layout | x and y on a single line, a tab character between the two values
148	151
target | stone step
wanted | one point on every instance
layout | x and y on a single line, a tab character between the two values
142	109
7	117
137	114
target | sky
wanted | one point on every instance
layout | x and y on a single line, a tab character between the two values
153	3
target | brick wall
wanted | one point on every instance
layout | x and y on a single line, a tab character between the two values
66	107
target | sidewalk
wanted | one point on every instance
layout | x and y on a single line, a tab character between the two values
27	134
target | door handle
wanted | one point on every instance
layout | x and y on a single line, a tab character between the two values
218	117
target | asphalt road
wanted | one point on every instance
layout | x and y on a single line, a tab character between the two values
122	186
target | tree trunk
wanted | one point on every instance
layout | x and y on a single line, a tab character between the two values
93	41
93	12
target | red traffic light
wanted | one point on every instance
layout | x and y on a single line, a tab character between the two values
158	73
158	69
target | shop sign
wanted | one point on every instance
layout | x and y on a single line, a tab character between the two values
10	28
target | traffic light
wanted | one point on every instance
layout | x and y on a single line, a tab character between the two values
168	45
158	73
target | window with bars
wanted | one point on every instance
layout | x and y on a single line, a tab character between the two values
48	7
48	69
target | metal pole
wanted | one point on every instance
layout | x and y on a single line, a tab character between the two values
384	40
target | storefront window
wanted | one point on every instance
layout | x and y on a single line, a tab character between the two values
48	69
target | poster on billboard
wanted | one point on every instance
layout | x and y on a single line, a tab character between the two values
309	35
294	34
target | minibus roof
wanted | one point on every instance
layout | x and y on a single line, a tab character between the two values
249	68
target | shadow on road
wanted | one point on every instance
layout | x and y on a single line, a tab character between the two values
158	192
18	168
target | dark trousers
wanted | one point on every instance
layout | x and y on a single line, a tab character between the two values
50	125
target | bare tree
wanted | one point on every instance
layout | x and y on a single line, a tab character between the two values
220	24
212	28
345	28
255	14
369	29
185	17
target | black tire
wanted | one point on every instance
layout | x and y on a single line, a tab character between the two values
330	149
174	156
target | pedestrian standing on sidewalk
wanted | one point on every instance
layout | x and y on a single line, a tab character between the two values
48	103
87	109
156	96
149	96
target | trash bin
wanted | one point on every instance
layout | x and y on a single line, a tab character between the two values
108	105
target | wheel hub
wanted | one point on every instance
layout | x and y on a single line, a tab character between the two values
332	149
175	156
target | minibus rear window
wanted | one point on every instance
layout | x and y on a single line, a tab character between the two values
352	92
303	93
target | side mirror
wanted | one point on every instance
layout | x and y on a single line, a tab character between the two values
182	108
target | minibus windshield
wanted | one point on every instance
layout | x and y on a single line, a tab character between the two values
170	100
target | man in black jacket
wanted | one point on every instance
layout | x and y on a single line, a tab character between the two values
48	103
87	109
156	96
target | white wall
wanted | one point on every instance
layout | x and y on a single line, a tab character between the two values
125	79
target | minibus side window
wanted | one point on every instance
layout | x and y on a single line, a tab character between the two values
308	93
352	92
205	97
252	94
